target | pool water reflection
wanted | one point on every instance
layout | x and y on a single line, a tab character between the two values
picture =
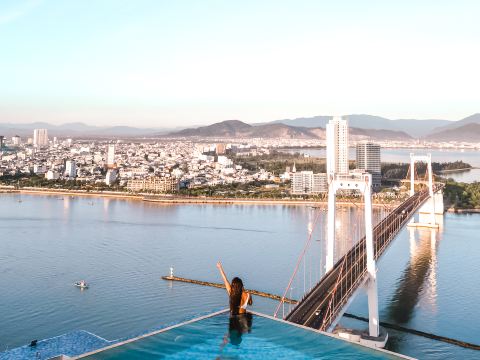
248	337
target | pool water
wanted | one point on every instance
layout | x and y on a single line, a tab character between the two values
218	337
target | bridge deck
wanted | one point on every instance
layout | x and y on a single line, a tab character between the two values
321	306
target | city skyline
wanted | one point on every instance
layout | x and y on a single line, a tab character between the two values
158	64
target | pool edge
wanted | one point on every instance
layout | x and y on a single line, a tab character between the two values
117	344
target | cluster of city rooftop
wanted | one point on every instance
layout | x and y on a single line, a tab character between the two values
150	166
169	164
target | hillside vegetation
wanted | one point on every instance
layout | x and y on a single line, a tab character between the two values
462	195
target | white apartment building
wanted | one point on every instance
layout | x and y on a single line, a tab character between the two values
40	137
368	159
306	182
111	177
39	169
337	146
155	184
70	169
111	156
16	140
52	175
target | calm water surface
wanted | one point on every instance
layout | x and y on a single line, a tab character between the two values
122	248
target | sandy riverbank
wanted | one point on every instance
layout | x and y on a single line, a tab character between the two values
65	192
177	200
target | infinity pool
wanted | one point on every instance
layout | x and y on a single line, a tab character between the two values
218	337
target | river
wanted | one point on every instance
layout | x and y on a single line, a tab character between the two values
123	247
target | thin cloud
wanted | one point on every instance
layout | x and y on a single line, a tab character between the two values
19	11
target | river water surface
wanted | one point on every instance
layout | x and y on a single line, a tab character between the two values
122	248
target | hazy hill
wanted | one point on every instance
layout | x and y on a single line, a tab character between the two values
472	119
239	129
378	134
227	128
361	126
469	132
75	130
414	128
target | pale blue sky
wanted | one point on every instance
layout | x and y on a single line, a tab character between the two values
169	63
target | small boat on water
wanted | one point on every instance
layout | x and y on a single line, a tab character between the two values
82	284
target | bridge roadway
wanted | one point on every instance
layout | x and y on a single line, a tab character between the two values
323	304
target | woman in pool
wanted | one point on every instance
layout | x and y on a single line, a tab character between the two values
240	321
239	298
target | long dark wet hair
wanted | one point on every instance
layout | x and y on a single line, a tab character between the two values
236	291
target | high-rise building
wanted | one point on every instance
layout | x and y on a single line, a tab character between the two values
337	146
40	137
220	149
16	140
70	169
111	156
306	182
2	141
111	177
368	159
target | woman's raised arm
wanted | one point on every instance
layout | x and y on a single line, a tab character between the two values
224	277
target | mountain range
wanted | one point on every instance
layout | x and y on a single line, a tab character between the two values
361	126
414	128
239	129
469	133
77	130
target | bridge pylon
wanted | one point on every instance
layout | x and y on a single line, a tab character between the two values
362	183
429	208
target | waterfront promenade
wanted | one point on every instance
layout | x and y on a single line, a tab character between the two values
172	199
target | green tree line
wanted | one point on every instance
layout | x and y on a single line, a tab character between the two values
462	195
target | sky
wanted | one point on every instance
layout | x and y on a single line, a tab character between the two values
164	63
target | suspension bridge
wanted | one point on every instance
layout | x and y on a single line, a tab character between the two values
324	304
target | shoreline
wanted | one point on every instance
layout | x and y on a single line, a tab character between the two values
177	200
457	170
463	211
65	192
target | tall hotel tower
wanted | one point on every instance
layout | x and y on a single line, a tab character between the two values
368	159
111	156
337	146
40	137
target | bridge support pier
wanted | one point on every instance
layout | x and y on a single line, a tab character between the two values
372	291
362	183
331	224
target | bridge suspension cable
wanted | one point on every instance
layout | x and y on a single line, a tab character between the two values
299	260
